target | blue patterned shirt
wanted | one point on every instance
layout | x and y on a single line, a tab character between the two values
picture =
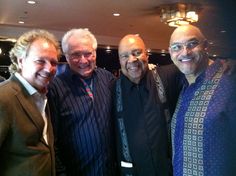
204	126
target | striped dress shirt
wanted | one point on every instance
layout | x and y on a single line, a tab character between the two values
83	127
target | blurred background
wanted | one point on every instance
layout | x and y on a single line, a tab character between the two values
110	20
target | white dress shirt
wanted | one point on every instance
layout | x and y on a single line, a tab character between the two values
40	101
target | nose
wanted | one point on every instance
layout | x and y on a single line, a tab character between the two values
185	50
82	59
132	58
50	67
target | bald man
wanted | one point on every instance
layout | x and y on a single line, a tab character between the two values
203	125
141	103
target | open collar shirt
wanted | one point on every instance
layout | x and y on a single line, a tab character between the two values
40	101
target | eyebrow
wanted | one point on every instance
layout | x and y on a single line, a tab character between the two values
191	39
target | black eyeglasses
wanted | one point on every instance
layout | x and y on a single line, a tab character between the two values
79	54
178	47
135	53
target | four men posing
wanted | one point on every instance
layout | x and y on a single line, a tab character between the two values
202	128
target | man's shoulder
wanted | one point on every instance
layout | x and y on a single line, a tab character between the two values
60	78
167	68
4	86
9	87
102	71
169	71
58	82
104	74
2	79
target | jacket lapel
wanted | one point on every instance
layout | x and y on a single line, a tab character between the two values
50	128
29	106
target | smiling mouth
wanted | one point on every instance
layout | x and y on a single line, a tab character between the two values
47	76
185	59
84	66
133	68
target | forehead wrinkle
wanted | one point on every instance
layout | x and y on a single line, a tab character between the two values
131	42
185	32
185	41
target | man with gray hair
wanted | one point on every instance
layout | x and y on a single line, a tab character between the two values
81	102
26	135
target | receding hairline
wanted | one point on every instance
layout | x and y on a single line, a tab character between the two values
81	33
186	29
127	37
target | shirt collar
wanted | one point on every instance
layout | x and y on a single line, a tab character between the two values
74	76
205	75
129	84
30	89
213	68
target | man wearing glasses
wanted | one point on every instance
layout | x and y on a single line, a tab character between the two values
203	125
140	107
81	102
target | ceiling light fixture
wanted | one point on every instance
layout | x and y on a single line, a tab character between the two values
178	14
108	49
31	2
211	42
163	51
21	22
116	14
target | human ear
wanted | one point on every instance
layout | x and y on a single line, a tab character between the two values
205	45
20	62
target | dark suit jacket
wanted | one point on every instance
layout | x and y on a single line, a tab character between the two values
23	151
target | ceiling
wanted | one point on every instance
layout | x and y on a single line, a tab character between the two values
216	19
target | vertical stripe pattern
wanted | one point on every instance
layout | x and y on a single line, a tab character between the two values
82	125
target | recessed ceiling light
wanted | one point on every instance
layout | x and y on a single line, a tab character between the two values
211	42
108	49
21	22
116	14
149	50
31	2
163	51
223	31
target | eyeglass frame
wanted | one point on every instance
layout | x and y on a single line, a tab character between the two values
80	54
186	45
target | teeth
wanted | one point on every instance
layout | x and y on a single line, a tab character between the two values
133	68
44	76
185	60
84	67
